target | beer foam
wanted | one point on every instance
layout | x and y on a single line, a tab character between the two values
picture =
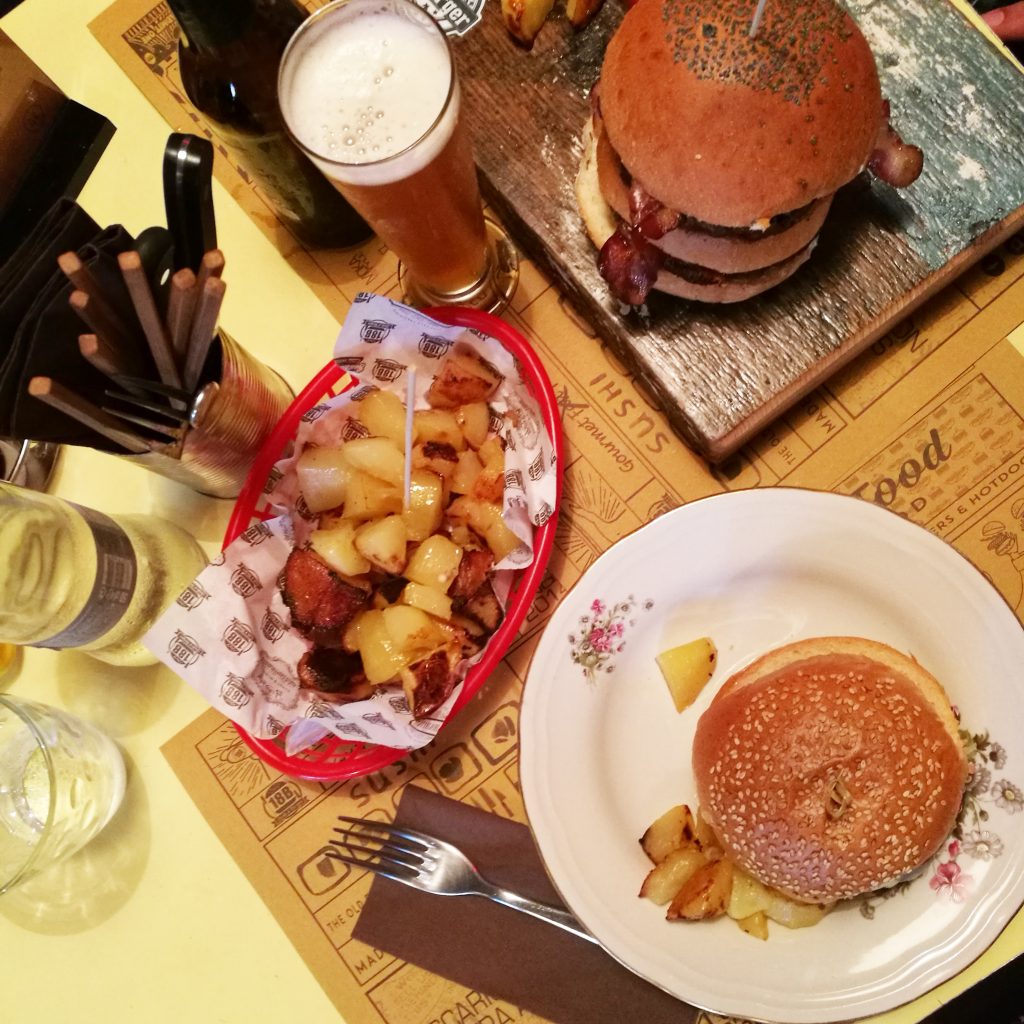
361	87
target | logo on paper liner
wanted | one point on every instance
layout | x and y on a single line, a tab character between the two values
184	650
244	581
192	596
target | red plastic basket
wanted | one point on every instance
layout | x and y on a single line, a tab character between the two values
333	758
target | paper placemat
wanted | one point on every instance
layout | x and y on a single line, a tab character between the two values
929	423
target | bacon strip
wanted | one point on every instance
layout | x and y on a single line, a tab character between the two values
651	218
630	264
893	160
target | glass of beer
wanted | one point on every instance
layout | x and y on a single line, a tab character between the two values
368	90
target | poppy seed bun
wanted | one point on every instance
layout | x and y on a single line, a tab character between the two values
731	129
601	222
727	253
830	767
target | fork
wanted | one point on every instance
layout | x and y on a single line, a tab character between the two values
432	865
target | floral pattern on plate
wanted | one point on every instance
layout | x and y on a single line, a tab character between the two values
602	634
972	837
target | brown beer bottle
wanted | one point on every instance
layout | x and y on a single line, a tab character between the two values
228	56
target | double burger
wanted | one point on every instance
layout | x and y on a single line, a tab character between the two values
716	144
830	767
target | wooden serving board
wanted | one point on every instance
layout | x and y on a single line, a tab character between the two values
723	373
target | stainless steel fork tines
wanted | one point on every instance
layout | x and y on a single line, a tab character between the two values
432	865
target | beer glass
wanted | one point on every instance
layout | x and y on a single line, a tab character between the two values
369	91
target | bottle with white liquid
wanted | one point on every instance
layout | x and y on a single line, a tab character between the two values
74	577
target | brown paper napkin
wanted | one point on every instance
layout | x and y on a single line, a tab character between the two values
476	943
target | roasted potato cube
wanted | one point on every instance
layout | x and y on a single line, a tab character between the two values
748	896
756	925
464	377
435	563
383	415
665	880
336	547
475	422
687	669
439	458
525	18
382	658
429	599
383	542
792	914
464	537
322	474
485	518
490	483
467	471
704	894
439	426
705	836
671	831
492	454
579	12
426	504
413	632
353	631
378	457
369	497
471	627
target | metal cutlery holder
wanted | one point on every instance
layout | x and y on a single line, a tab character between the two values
236	406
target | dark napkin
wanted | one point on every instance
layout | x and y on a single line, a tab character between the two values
488	948
47	343
39	330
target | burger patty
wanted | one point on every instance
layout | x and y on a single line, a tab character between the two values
696	274
778	223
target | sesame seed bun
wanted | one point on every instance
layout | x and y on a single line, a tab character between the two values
730	129
830	767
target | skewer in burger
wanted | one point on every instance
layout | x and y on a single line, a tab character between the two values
830	767
712	156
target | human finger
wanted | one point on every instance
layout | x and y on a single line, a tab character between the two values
1007	22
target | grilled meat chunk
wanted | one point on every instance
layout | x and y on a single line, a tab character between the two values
483	607
321	602
336	675
473	570
429	682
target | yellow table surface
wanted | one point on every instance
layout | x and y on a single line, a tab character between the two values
173	931
189	939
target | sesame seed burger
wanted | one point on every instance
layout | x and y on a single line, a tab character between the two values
712	156
830	767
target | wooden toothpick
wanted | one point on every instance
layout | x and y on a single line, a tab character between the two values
755	22
410	403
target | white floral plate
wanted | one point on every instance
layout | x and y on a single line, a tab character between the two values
603	752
